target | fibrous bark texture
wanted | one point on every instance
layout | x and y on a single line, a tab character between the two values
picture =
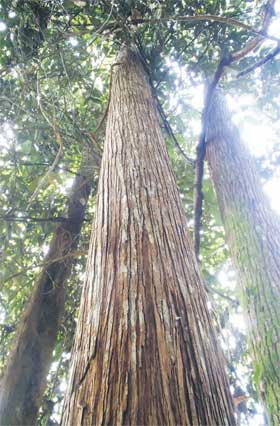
24	378
253	235
145	350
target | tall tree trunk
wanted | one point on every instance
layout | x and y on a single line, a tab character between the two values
253	235
24	378
145	350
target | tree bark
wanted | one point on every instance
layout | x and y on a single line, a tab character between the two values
253	235
145	351
24	378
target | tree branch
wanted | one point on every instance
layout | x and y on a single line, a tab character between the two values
160	109
225	20
37	219
221	294
52	167
200	155
171	133
201	147
261	62
251	45
58	259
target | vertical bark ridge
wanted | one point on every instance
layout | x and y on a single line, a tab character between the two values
24	378
145	351
253	235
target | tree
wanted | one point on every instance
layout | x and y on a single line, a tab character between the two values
55	65
253	235
145	349
24	380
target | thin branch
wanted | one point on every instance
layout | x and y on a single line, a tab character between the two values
171	133
59	140
58	259
52	167
261	62
16	105
59	152
44	114
178	55
28	163
221	294
251	45
214	18
92	135
160	109
103	26
33	219
69	84
37	219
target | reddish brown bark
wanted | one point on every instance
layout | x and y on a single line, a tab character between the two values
253	235
145	350
24	378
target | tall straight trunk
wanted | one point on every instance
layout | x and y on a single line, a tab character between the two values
253	235
24	378
145	351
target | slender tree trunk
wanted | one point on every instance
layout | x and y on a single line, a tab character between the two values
24	378
145	350
253	236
